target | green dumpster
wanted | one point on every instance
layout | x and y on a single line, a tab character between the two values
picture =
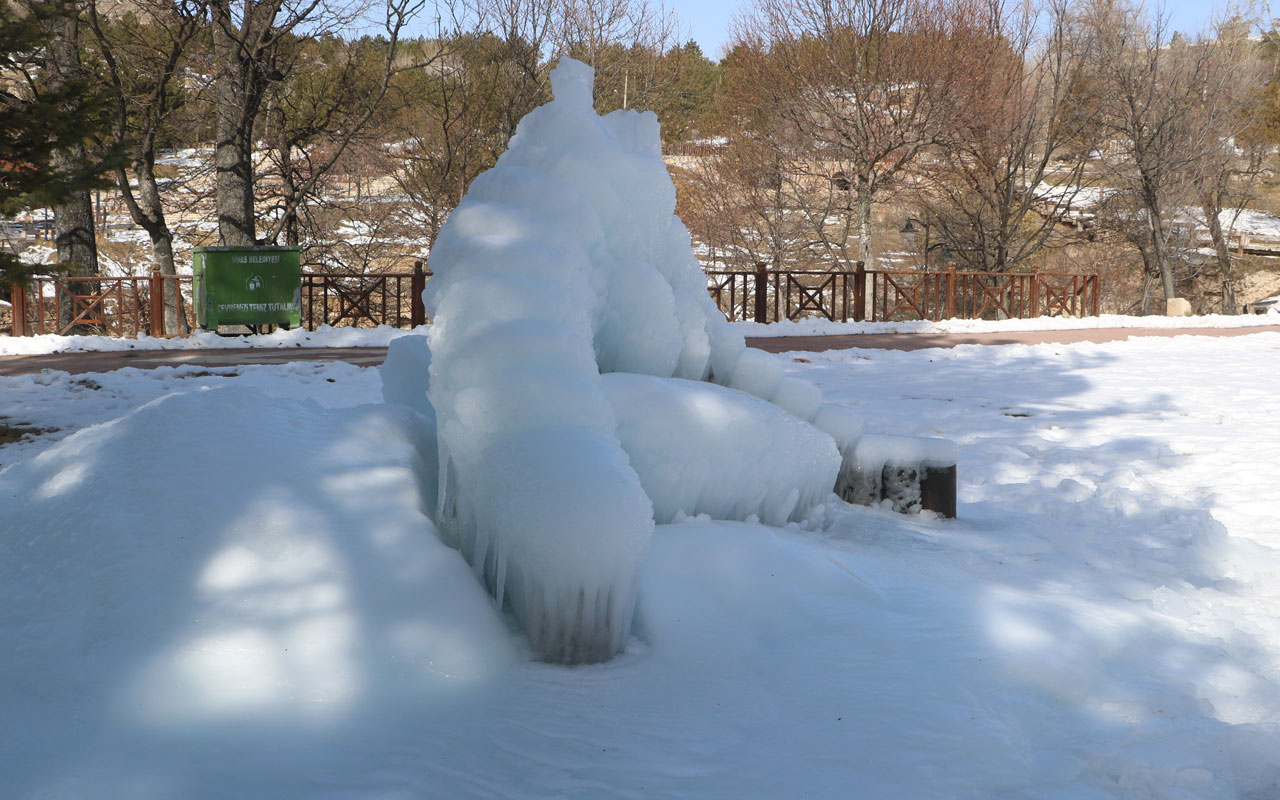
247	286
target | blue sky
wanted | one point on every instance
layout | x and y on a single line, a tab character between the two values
707	21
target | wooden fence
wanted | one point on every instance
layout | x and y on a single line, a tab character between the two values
389	298
117	306
883	296
131	306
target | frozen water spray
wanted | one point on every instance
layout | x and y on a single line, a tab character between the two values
563	263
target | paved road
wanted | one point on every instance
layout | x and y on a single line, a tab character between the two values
373	356
921	341
222	357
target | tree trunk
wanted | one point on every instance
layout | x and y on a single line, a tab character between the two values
77	249
148	214
235	112
288	178
1144	306
862	207
1212	207
1148	274
73	221
1005	234
1159	252
175	321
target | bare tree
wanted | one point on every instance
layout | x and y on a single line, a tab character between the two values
747	210
1150	95
479	82
487	68
1009	174
527	29
759	196
1225	177
870	83
324	102
623	40
248	36
142	58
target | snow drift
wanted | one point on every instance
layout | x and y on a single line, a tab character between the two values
281	581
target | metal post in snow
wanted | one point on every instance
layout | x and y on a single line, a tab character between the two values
762	292
417	285
860	292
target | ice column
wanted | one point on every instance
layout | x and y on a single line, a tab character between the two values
534	487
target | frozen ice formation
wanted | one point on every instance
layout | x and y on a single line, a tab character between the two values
564	262
700	448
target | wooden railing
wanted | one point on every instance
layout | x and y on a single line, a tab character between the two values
134	305
881	295
108	306
389	298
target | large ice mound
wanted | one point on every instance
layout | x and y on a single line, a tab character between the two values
565	261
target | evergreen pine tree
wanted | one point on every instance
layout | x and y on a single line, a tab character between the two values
39	120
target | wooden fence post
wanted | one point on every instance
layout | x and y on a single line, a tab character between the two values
1035	295
762	292
951	290
417	285
156	292
860	292
18	297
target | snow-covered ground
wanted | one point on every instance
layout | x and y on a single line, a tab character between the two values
217	583
327	336
823	327
1082	200
324	336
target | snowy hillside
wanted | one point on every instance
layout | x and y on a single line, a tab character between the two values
218	584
